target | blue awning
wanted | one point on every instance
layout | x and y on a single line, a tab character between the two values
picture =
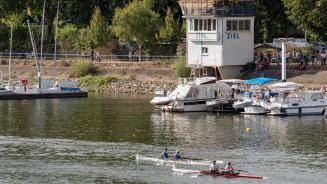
259	81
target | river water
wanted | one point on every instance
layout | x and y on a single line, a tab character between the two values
95	140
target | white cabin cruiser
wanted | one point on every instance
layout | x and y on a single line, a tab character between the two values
302	103
193	96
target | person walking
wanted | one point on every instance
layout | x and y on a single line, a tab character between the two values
323	58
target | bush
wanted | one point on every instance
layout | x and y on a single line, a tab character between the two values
83	68
180	67
94	82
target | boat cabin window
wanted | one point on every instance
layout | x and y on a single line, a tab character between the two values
317	96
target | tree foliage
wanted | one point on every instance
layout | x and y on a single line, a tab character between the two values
136	23
97	32
309	15
68	37
13	20
271	21
170	31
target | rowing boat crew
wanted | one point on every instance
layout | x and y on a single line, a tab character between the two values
165	155
214	168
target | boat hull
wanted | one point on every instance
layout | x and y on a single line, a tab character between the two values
188	106
229	175
255	110
298	111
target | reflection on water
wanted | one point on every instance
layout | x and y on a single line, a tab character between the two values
229	131
95	140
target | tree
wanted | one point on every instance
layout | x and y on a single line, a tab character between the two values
309	16
271	21
68	37
97	31
136	23
170	32
13	20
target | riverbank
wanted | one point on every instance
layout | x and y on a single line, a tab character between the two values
144	77
111	77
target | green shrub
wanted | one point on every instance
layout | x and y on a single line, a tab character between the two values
83	68
94	82
180	67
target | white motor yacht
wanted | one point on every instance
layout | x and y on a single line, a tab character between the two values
302	103
191	96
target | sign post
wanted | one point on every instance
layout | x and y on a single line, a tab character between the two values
24	82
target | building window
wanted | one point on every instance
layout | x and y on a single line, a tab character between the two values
229	25
238	25
204	50
214	24
191	25
241	25
203	25
234	25
196	24
247	25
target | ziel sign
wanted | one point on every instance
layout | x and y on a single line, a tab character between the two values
233	36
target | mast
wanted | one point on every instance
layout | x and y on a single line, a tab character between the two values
41	51
10	50
55	47
34	49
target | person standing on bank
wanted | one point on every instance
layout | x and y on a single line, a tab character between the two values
98	57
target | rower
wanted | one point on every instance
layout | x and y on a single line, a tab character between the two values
177	155
229	168
165	155
214	169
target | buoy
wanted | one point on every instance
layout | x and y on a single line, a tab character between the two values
248	129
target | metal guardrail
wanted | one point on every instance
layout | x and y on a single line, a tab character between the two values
48	56
220	11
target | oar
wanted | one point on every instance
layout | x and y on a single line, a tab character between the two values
185	171
240	170
189	158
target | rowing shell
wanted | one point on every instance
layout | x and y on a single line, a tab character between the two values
208	173
184	162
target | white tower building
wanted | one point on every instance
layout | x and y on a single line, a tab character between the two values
220	34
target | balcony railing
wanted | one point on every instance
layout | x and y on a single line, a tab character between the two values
221	11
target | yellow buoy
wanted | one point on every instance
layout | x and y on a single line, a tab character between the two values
248	129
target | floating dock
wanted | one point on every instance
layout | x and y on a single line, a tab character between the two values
21	96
